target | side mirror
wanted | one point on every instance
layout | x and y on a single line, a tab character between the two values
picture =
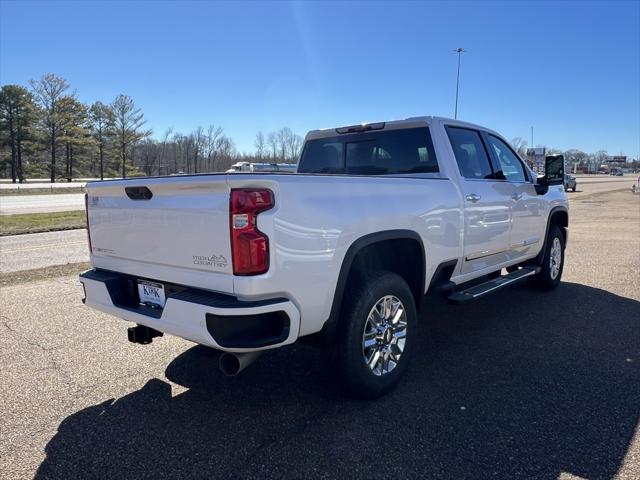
553	173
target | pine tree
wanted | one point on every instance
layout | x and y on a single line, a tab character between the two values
48	92
17	116
128	127
102	121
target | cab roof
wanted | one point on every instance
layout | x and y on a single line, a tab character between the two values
410	122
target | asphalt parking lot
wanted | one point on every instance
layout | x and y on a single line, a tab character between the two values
519	385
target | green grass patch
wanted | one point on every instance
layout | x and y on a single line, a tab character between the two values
41	222
39	191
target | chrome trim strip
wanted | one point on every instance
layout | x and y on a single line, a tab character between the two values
526	242
484	253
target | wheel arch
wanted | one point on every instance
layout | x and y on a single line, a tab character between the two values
364	246
557	216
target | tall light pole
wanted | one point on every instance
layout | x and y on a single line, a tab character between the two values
458	51
531	136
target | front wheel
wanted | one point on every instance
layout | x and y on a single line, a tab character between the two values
375	335
552	261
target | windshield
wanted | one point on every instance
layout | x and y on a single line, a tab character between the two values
381	152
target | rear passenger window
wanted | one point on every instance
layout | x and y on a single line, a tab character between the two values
386	152
470	153
394	151
322	156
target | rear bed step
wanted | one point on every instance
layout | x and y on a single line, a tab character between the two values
477	291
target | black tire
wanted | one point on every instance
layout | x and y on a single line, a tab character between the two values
573	189
545	279
347	353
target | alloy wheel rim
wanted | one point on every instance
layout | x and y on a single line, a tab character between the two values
385	335
555	258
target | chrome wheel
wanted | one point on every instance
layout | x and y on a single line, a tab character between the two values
555	258
384	335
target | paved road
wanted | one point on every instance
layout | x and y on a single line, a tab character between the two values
39	250
524	384
63	202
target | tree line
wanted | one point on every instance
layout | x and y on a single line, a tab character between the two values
45	131
584	161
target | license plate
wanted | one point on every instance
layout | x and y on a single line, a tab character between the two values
151	293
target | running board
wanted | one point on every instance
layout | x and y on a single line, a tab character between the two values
478	291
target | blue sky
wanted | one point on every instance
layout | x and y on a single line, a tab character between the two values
572	70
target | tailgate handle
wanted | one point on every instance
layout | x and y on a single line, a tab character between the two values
138	193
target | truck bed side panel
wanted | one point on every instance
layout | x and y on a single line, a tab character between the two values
317	218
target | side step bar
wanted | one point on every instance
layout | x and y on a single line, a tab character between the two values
478	291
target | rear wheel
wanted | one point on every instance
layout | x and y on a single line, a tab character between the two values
552	261
375	335
573	189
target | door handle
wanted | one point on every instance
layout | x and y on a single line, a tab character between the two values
516	196
472	197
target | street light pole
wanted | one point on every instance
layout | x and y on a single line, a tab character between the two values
458	51
531	136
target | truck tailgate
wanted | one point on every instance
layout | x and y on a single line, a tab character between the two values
179	235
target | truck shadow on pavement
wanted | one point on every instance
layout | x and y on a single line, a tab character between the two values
517	385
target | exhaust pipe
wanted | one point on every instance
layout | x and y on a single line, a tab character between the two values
231	364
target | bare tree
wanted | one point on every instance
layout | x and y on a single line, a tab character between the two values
520	145
260	145
175	144
294	145
163	151
198	146
225	149
272	141
213	134
129	121
48	91
185	147
283	135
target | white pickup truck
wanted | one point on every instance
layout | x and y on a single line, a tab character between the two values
341	252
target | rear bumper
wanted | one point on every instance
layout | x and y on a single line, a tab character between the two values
213	319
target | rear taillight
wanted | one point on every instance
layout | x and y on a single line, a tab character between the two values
249	246
86	210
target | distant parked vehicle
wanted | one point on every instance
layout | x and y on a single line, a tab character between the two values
617	172
570	183
244	167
